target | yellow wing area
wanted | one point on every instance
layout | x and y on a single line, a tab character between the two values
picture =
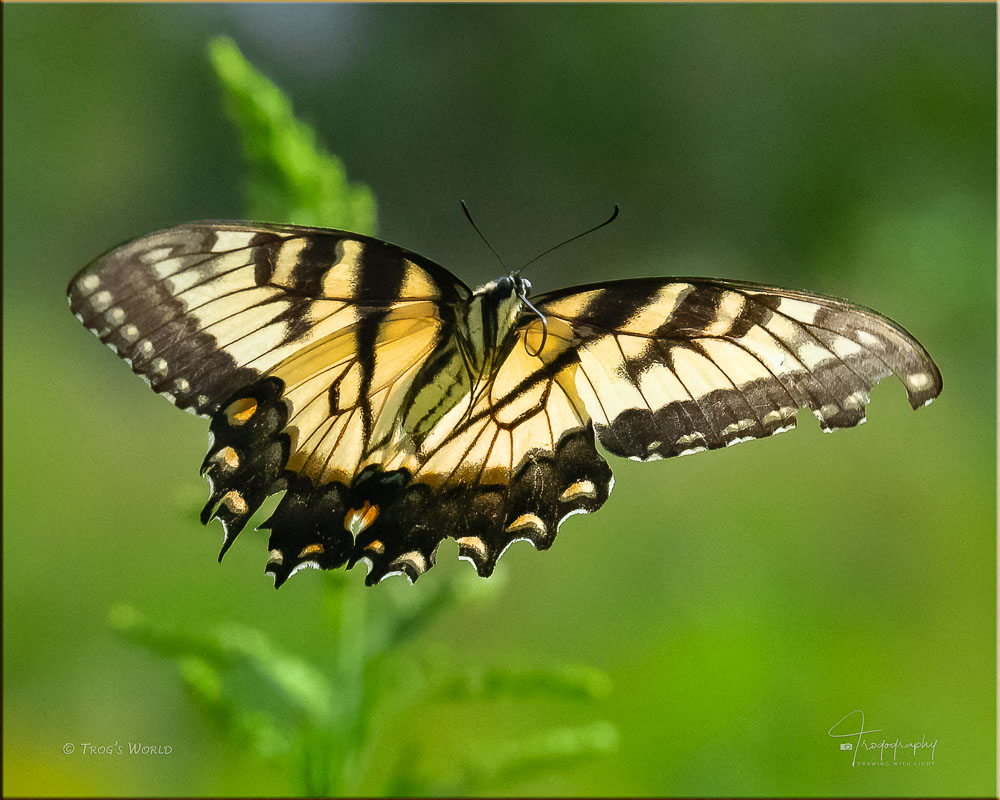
513	466
327	394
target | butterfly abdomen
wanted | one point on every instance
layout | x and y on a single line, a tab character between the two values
442	383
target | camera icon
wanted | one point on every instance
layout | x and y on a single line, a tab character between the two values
846	746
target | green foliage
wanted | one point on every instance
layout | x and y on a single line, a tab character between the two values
572	682
290	178
318	721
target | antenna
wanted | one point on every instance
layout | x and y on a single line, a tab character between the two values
475	227
608	221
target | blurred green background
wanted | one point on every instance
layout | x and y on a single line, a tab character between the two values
741	602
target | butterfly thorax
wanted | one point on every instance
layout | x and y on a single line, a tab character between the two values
486	323
484	332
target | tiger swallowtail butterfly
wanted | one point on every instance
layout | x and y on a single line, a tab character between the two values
395	406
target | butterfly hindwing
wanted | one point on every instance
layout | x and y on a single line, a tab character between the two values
523	457
512	466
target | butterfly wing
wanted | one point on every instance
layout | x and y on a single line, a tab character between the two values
512	465
299	343
305	347
671	367
201	310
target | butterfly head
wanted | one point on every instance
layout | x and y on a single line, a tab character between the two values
513	285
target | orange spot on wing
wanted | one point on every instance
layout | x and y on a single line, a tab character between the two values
370	516
241	410
359	519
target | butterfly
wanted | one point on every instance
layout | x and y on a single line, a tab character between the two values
394	406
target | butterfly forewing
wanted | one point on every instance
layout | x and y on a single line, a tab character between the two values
204	309
671	367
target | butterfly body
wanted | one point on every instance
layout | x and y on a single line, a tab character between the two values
394	406
484	332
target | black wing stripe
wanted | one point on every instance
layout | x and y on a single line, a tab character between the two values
382	273
322	250
610	311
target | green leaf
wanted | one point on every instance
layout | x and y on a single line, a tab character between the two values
237	664
548	750
258	728
296	680
483	765
570	682
291	178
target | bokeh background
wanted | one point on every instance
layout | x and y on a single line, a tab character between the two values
741	602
